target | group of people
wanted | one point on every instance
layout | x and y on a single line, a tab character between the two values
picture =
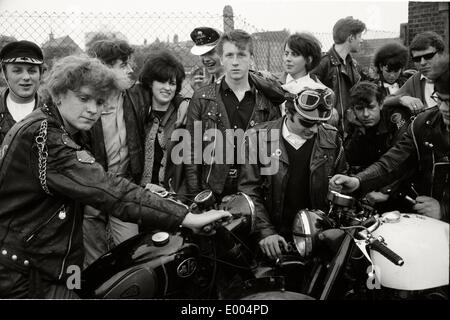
85	158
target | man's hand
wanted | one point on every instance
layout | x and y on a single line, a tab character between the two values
196	222
198	81
154	188
342	183
182	114
271	246
376	197
414	104
428	206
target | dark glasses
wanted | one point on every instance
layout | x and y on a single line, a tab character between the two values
307	123
427	56
438	99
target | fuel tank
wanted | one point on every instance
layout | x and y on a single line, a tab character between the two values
422	242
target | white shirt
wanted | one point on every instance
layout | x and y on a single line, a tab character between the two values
115	136
19	110
294	140
429	89
393	88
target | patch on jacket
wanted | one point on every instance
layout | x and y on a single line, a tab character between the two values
85	157
397	119
69	142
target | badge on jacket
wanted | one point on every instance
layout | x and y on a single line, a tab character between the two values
398	120
69	142
85	157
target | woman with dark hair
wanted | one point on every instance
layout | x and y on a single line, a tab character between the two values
302	53
390	61
163	75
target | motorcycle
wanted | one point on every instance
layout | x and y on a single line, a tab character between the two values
353	253
216	264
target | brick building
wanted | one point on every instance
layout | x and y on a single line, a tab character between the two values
426	16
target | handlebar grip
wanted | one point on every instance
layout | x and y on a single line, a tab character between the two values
388	253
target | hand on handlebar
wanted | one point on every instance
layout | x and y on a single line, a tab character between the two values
375	197
343	184
270	246
196	222
428	206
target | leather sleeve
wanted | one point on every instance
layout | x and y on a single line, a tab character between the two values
250	182
386	169
193	167
89	184
405	90
323	72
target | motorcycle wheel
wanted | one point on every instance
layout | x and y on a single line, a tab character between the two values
277	295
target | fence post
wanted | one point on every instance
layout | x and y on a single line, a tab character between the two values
228	19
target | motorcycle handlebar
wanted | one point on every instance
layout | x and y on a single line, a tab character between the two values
377	245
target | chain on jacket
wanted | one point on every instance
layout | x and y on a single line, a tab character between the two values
41	141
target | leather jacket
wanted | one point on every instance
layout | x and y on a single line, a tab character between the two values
268	191
426	142
6	120
413	87
40	220
206	107
136	102
332	73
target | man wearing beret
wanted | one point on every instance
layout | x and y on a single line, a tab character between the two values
21	64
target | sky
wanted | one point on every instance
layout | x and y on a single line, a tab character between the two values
294	15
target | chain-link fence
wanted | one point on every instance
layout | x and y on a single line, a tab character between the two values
62	34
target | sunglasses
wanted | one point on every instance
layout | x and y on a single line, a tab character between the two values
427	56
307	123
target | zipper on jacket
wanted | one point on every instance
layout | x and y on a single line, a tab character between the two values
39	228
68	248
340	100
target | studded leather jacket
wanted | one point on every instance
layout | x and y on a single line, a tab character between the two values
6	120
206	114
427	143
44	178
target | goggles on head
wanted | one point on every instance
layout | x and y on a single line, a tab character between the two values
315	104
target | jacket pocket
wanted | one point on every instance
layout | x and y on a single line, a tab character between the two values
61	212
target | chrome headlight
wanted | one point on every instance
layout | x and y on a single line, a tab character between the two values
307	225
240	205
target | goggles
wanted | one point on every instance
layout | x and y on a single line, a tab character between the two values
315	104
427	56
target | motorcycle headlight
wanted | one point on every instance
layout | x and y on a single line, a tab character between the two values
240	205
307	225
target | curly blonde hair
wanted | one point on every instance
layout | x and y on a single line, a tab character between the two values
74	72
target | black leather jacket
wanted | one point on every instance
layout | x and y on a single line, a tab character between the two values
206	107
332	73
43	231
6	120
268	191
427	143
